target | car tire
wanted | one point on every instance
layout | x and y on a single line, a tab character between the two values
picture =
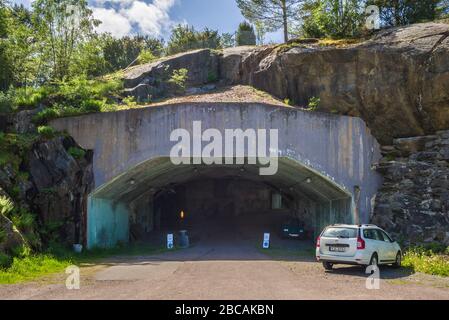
398	262
328	266
374	261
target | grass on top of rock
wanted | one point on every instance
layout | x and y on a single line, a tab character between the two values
57	258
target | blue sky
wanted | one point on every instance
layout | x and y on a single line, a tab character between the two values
156	17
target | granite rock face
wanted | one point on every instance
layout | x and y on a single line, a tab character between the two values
150	81
55	190
413	203
398	81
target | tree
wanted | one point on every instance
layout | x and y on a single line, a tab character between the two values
274	14
332	18
245	35
260	33
404	12
185	38
22	47
5	63
227	40
62	26
120	53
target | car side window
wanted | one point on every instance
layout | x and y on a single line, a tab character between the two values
382	236
369	234
386	237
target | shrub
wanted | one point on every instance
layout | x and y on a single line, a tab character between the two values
45	115
31	97
424	260
5	261
314	103
6	102
179	78
46	132
77	153
146	56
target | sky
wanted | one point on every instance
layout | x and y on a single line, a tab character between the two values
156	17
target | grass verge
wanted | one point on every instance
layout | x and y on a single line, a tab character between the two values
57	260
427	261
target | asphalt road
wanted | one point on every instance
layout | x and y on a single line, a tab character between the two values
230	267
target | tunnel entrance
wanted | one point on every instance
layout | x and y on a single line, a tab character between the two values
213	202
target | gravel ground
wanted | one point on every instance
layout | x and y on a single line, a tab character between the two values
230	267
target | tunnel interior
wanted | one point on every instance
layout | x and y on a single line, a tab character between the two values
214	203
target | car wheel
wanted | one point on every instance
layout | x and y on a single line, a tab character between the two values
398	262
328	266
374	260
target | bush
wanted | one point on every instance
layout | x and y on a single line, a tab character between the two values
179	78
5	261
77	153
6	102
46	131
31	97
146	56
46	115
425	260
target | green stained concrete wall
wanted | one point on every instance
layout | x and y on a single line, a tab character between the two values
107	223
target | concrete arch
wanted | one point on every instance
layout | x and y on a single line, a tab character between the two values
337	151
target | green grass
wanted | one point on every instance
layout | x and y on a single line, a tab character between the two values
58	259
427	261
279	252
31	268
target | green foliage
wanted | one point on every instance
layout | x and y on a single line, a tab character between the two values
273	15
120	53
227	40
77	153
130	101
425	260
245	35
314	103
332	18
32	267
6	206
186	38
5	261
30	97
46	132
179	78
404	12
61	33
58	258
6	102
5	61
146	56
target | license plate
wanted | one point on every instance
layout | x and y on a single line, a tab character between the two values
337	249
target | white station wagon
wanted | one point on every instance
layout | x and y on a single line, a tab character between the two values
357	245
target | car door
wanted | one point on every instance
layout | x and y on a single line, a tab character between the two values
390	247
384	247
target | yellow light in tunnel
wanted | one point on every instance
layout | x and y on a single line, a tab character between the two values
182	214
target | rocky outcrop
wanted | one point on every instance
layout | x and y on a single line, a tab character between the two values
398	81
55	189
61	185
413	203
150	81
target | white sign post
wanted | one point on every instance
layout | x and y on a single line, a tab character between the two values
266	240
170	241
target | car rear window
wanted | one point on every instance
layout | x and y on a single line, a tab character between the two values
336	232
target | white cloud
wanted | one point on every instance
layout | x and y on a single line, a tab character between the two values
126	15
112	22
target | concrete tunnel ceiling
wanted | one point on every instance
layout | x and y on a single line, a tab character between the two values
156	174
